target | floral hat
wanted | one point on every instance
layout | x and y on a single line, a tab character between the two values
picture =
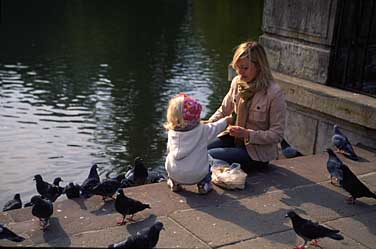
192	109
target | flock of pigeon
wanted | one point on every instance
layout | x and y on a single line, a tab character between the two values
342	176
42	204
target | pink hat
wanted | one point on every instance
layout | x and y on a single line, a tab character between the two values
192	109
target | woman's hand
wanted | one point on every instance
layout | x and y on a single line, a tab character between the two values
238	131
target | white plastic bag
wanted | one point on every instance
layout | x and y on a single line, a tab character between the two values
232	177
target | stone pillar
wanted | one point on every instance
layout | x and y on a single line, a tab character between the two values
299	37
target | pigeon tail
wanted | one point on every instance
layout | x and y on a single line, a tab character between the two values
353	157
336	236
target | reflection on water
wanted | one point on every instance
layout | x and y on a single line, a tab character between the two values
85	82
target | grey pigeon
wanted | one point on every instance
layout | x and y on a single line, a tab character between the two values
288	151
342	143
137	175
5	233
42	209
15	203
72	190
334	166
354	186
309	230
127	206
107	188
145	239
90	182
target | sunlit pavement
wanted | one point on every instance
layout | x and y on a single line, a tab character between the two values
249	218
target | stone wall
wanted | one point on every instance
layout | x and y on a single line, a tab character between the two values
299	36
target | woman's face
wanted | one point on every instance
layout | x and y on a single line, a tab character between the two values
246	69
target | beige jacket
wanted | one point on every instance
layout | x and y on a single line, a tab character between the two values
266	120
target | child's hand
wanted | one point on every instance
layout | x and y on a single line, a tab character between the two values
238	131
229	119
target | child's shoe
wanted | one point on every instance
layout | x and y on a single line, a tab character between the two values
204	188
174	186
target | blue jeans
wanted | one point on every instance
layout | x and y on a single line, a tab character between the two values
224	148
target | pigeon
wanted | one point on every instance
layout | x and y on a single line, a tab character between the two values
137	175
90	182
309	230
43	188
155	177
147	238
119	178
56	190
72	190
15	203
288	151
106	188
334	166
5	233
354	186
342	143
42	209
127	206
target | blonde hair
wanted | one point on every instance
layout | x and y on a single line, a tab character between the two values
175	113
256	54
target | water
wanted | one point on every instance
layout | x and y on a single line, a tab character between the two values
85	82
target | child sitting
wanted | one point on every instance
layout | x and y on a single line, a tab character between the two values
187	155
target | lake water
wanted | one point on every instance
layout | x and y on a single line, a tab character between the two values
85	82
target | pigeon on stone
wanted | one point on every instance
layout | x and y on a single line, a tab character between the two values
43	188
15	203
354	186
155	177
127	206
342	143
90	182
147	238
288	151
56	190
309	230
72	190
119	177
334	166
137	175
42	209
5	233
107	188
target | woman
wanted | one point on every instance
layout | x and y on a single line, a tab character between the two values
260	108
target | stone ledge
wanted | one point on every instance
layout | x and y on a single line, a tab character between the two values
352	107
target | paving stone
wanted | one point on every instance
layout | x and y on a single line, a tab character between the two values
288	240
361	228
236	220
325	202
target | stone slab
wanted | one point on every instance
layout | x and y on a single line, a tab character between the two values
324	202
236	220
361	228
288	239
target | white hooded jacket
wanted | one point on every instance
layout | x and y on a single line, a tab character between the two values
187	154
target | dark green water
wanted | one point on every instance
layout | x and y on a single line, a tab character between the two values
85	82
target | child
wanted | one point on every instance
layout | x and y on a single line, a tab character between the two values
187	155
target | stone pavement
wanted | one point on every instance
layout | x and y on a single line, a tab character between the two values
251	218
